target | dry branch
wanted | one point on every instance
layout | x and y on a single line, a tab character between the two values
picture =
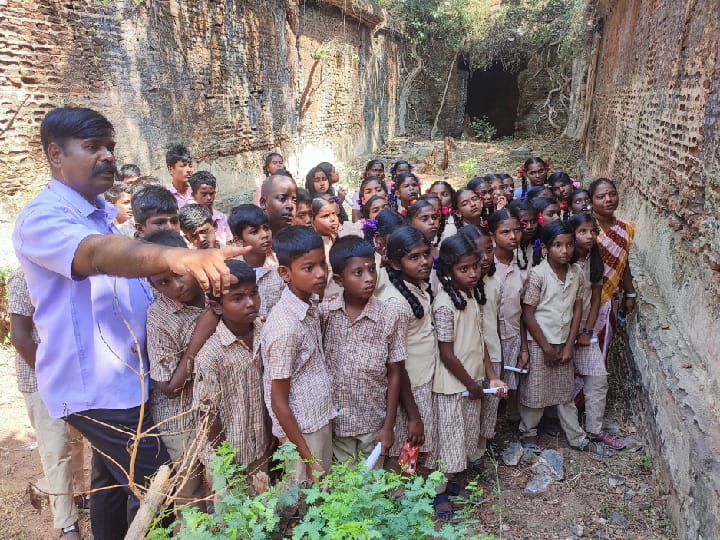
154	499
433	131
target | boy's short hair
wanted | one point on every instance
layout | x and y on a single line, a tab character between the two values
202	177
293	242
65	123
242	271
114	192
149	199
129	170
303	196
346	247
165	237
147	180
245	215
177	152
279	176
192	216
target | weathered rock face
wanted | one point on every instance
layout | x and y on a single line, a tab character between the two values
233	79
655	112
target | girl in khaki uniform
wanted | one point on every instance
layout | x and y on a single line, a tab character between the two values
408	268
552	309
463	364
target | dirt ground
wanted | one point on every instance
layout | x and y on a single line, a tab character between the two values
612	497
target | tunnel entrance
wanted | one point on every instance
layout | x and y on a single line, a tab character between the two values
494	93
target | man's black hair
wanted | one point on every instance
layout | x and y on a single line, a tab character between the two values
346	247
129	170
65	123
165	237
149	199
295	241
201	177
177	152
243	216
192	216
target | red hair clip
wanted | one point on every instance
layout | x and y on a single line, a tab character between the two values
541	221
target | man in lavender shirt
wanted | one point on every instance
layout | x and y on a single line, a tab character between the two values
90	308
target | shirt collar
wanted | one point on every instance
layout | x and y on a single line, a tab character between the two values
297	306
371	309
80	203
227	338
174	306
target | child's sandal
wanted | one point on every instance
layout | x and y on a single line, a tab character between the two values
584	445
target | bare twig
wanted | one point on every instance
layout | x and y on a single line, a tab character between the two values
433	131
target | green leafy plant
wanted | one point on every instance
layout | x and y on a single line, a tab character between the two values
646	462
350	503
469	167
483	129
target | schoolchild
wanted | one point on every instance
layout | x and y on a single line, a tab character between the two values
179	166
273	163
303	208
297	385
198	226
60	446
424	217
376	231
548	210
409	264
399	167
228	389
318	182
326	224
171	321
372	178
464	364
580	202
203	185
445	192
405	191
562	187
120	196
373	206
483	187
506	233
250	227
532	173
508	187
154	208
277	199
490	290
589	361
527	215
129	173
468	208
552	309
365	353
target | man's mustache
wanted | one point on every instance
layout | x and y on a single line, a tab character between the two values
103	168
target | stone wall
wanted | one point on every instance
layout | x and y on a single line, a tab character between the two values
654	119
233	78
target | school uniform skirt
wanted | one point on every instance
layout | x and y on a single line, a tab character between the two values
510	352
458	430
423	398
546	385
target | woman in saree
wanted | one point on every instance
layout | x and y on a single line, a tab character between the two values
615	238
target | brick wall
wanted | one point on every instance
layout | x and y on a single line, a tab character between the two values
653	128
233	78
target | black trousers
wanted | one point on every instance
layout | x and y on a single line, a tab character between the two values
111	433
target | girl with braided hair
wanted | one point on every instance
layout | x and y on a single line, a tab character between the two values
527	215
490	299
445	193
464	363
405	191
376	230
534	171
562	188
468	208
482	185
408	268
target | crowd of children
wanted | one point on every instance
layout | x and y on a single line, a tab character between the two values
391	317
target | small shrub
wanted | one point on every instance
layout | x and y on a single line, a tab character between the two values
349	503
483	129
469	167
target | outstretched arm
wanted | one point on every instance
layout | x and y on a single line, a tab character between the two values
121	256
